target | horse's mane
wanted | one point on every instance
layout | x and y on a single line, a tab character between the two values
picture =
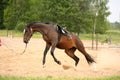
30	24
47	23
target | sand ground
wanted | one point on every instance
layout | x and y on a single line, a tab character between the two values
30	63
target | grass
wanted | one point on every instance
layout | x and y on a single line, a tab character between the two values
114	34
59	78
17	33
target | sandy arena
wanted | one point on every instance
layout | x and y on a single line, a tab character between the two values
30	63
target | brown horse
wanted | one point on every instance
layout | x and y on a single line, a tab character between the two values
53	36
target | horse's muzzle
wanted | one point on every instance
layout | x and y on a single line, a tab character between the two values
25	41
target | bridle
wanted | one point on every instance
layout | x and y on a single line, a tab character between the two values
26	43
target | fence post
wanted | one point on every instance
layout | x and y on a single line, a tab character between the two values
96	41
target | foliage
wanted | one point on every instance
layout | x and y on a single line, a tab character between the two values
3	4
16	12
20	26
76	15
101	12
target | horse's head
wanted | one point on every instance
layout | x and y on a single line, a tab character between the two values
28	32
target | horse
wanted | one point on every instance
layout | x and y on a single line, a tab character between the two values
55	37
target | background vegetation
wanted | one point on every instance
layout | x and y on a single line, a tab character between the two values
78	16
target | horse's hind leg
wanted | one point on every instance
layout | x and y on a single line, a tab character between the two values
81	48
70	53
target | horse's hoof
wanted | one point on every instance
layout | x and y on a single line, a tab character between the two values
76	63
59	62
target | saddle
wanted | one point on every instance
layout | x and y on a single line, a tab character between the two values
63	31
60	30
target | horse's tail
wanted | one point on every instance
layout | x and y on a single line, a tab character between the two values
81	48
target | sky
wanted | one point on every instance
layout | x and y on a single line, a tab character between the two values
114	8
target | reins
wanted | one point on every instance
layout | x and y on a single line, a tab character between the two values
24	49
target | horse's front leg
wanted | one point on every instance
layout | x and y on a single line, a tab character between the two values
45	52
52	53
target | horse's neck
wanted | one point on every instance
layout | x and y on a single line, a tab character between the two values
42	29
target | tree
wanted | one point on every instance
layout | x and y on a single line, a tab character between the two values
15	13
73	14
84	16
3	4
101	18
76	15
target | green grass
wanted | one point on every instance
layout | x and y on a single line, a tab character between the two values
59	78
114	35
17	33
3	33
10	32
